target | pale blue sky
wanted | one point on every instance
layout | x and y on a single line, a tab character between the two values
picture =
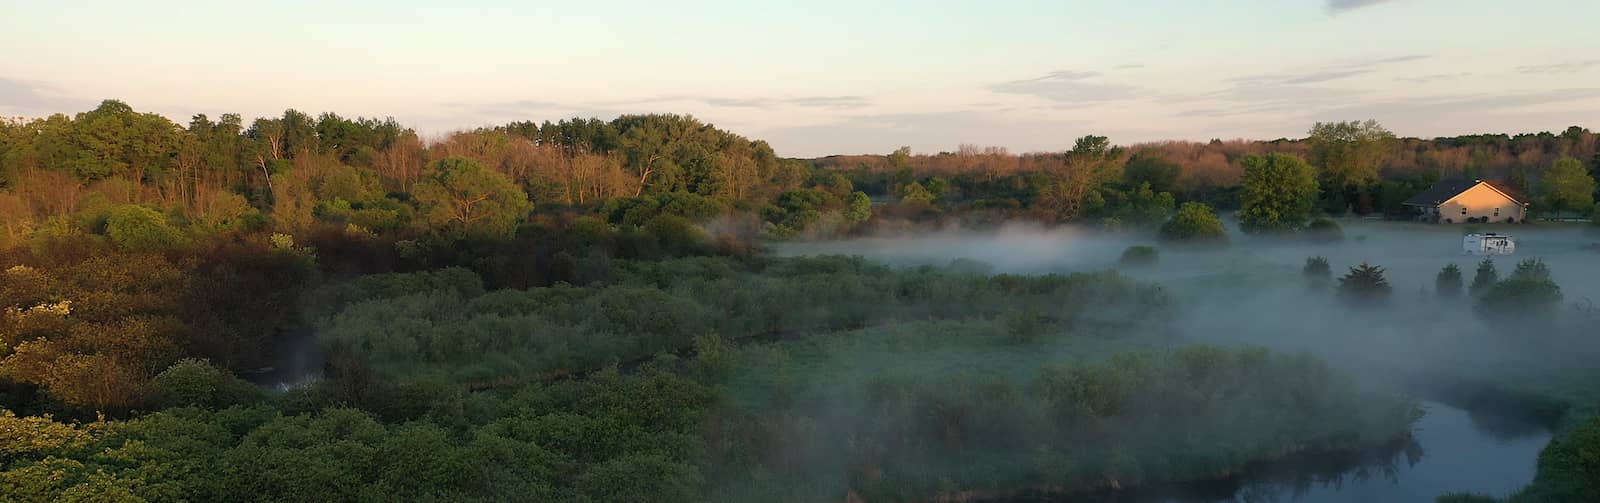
826	76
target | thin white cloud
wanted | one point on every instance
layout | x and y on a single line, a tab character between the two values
1340	6
1435	77
1068	86
831	102
1330	72
1565	67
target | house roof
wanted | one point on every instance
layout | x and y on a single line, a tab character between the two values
1446	189
1506	189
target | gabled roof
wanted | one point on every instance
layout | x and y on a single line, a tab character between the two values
1507	190
1446	189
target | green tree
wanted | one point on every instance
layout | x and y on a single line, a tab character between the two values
1142	207
1161	174
860	208
462	196
1533	269
1364	285
913	193
1350	155
835	184
139	228
938	186
1566	186
1519	297
1447	283
702	176
1074	177
899	159
1317	273
1279	193
1195	223
1485	277
197	383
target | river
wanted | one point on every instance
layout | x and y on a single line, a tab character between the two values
1452	450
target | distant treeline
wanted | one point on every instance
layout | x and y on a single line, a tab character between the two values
1211	172
112	170
1215	164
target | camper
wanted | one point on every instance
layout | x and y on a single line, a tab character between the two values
1488	244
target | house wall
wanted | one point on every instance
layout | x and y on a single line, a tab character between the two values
1481	201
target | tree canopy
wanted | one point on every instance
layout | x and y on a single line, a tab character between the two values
460	194
1279	192
1567	186
1195	223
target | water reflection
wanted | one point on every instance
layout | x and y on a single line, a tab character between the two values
1451	451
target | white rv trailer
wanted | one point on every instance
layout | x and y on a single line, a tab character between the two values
1488	244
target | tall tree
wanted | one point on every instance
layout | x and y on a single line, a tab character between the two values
1350	155
1074	174
1279	193
1447	284
462	196
1160	173
1566	186
1485	277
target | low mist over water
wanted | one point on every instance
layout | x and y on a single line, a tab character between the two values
1253	292
1411	252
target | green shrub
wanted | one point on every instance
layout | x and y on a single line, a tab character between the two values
140	228
197	383
1569	467
1324	230
1519	298
1140	255
1195	224
676	235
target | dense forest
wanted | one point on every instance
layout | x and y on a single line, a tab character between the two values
583	310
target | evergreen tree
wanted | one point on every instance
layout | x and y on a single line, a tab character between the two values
1364	285
1317	272
1485	277
1529	294
1448	283
1531	269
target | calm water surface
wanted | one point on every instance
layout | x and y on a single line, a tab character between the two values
1454	451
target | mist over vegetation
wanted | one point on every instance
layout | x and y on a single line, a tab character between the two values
654	309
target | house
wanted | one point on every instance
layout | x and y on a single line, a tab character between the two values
1470	201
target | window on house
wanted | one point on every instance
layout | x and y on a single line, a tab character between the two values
1497	212
1463	210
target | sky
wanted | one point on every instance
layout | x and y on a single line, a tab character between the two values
820	77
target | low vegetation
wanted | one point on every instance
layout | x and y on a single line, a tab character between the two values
1140	255
1060	428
